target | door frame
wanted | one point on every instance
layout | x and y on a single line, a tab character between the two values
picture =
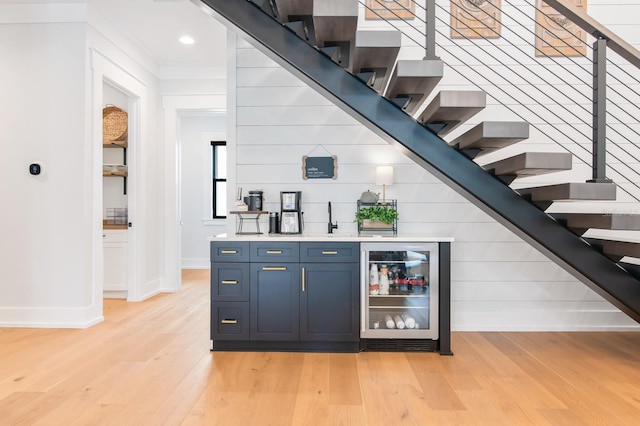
173	108
105	71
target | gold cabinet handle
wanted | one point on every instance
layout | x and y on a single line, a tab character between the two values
229	321
303	281
228	251
329	252
228	282
274	268
274	251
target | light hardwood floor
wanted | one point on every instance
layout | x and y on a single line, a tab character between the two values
149	364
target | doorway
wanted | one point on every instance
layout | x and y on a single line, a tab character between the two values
115	193
197	129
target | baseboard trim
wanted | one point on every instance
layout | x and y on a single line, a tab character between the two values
196	263
49	317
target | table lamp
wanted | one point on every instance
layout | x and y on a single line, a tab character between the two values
384	177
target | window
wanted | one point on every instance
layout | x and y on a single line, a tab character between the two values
219	177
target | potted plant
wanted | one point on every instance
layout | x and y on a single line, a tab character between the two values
378	216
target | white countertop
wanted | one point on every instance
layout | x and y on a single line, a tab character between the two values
328	237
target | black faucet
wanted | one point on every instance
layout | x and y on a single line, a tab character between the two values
331	225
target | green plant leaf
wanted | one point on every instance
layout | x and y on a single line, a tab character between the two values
383	214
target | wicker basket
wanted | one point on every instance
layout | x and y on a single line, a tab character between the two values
114	124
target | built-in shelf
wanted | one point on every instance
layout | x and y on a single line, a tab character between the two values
105	226
119	174
114	144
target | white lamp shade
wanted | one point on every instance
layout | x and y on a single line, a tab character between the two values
384	175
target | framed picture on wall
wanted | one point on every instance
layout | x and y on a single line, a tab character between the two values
476	18
556	35
390	9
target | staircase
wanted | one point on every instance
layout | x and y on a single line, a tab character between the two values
319	42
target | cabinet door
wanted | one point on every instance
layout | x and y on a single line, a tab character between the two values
329	304
275	290
115	261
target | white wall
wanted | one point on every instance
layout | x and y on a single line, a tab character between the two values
196	133
51	84
499	282
45	247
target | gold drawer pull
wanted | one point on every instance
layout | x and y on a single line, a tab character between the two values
228	282
274	268
329	252
228	251
274	251
229	321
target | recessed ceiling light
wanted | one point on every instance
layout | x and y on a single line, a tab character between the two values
185	39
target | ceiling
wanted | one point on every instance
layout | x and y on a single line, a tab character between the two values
156	25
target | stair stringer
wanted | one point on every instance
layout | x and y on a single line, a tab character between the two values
426	149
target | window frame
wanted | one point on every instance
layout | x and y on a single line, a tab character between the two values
215	181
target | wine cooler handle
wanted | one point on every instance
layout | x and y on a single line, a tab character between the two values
303	281
363	291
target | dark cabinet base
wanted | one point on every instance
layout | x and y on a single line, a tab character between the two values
402	345
282	346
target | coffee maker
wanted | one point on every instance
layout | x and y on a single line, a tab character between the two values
290	212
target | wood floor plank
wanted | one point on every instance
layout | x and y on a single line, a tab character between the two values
149	363
390	391
312	399
344	385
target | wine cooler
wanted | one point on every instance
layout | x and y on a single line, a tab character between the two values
399	283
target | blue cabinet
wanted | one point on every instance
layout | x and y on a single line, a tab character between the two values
270	295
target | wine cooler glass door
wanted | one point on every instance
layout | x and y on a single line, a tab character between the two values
399	290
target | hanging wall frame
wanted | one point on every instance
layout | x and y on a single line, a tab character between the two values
390	9
556	35
476	18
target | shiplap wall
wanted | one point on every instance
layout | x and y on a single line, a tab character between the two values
499	282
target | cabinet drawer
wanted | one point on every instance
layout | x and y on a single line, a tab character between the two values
222	251
114	236
329	252
230	321
275	252
230	282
